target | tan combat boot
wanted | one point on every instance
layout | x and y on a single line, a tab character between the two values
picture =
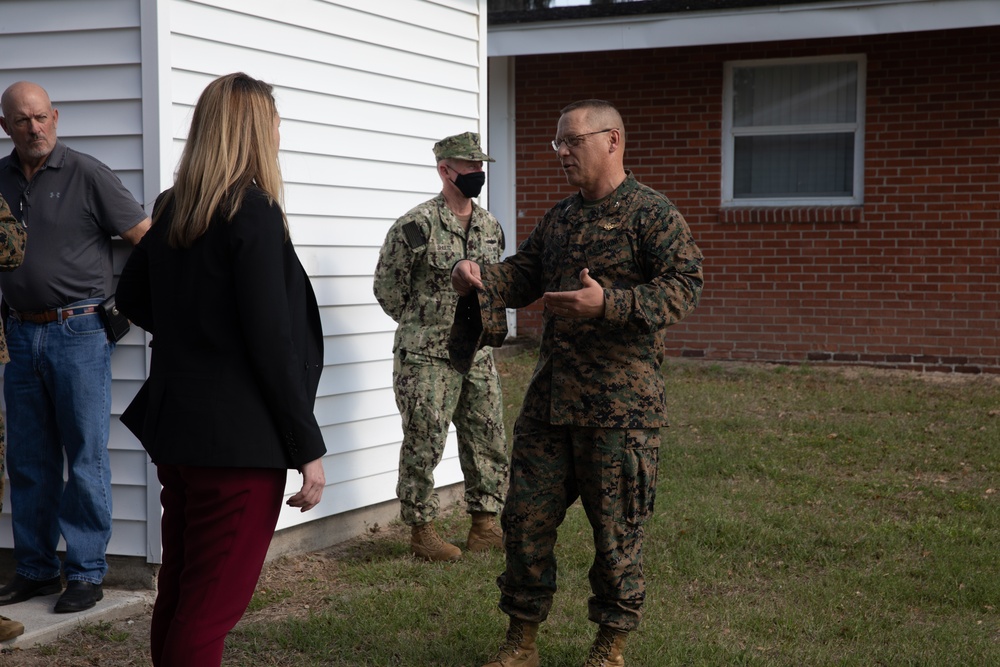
606	651
10	629
518	649
427	544
485	533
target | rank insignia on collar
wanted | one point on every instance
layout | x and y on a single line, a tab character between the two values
609	226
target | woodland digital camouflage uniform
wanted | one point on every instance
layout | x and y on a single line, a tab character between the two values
12	242
413	285
589	425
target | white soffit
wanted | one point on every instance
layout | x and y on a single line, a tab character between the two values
759	24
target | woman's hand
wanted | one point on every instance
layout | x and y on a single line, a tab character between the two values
313	483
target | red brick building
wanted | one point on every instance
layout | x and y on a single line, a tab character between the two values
838	163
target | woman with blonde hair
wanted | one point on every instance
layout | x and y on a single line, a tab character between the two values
237	352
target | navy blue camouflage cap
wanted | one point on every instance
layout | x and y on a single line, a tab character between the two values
463	146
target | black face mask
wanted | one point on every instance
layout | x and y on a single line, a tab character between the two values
470	184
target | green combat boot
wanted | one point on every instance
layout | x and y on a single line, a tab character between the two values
485	533
518	649
606	651
427	544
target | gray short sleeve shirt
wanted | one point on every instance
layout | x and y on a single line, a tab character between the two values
72	208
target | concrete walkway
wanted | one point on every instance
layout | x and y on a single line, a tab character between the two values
42	626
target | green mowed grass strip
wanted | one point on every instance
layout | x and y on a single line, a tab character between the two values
804	517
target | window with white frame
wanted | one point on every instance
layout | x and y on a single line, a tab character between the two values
793	132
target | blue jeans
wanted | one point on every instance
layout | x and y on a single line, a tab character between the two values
58	392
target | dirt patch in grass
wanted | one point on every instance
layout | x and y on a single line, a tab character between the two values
290	587
296	586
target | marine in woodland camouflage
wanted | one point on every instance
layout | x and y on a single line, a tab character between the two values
413	286
589	425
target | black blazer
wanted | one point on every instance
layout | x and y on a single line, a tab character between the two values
237	347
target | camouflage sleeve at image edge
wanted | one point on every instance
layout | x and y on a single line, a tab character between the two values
12	239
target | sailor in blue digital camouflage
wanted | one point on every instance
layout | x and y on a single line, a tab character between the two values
412	283
12	240
614	265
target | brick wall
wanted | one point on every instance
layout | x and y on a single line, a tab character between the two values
911	279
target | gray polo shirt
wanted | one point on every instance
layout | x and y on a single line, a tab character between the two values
72	207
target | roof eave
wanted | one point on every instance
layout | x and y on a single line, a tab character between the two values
760	24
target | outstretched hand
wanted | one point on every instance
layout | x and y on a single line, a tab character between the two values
586	302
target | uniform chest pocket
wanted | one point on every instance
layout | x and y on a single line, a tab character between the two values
611	258
485	249
443	256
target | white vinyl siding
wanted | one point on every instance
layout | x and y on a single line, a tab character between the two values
793	132
364	89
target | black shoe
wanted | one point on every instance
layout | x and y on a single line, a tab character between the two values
22	588
79	595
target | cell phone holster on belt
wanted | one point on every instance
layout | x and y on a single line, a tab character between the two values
116	324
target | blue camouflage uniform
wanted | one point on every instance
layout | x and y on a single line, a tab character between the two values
413	285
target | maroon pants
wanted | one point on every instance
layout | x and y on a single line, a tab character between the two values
217	525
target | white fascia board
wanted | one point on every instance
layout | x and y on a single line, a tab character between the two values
763	24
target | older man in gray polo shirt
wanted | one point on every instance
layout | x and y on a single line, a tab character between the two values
58	383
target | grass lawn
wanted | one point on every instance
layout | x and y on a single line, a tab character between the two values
805	517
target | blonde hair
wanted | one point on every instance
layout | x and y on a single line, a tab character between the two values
231	146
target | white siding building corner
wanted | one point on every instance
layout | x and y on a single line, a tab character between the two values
364	90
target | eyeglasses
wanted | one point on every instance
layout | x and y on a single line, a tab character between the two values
575	140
